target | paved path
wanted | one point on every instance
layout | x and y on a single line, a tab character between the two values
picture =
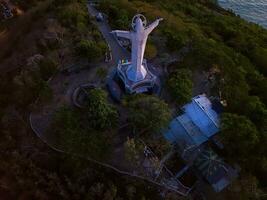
118	52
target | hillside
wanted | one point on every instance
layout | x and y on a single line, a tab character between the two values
219	40
53	35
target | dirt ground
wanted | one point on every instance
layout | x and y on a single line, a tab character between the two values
18	40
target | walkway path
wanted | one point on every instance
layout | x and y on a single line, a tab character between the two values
118	52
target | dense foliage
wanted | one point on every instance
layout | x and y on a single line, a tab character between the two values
88	131
148	114
29	169
101	114
211	36
215	38
180	85
240	136
76	136
90	49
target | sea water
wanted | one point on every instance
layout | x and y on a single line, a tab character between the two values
251	10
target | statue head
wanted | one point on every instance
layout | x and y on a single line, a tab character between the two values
139	22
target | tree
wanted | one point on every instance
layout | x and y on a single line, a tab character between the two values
101	115
47	68
175	41
101	73
245	188
89	49
133	150
240	136
181	86
73	14
256	111
148	113
259	57
74	135
122	20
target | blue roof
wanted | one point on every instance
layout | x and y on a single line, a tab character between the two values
196	125
182	129
201	113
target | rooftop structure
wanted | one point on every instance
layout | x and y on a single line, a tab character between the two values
215	171
190	132
196	126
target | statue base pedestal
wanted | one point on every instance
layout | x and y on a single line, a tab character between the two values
118	83
136	87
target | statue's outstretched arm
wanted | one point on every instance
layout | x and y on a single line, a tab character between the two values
152	26
123	34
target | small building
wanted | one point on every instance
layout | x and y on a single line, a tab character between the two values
196	126
214	170
190	132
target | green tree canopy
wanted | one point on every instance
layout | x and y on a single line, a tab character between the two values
256	111
240	136
180	85
259	57
74	135
90	49
148	113
73	14
101	115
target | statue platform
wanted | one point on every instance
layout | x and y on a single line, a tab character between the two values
135	87
118	84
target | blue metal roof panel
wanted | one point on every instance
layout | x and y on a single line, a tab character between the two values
201	113
182	129
192	130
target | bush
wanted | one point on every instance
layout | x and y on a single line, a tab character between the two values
147	114
101	115
46	93
175	41
47	68
74	135
180	86
89	49
102	73
240	136
73	14
259	57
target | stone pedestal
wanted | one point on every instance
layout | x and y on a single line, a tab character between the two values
135	87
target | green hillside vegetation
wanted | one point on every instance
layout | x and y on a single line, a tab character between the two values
29	169
216	38
213	37
180	86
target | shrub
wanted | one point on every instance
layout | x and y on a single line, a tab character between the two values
47	68
89	49
180	86
240	136
101	115
75	136
147	114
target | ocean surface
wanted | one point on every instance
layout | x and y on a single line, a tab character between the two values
251	10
